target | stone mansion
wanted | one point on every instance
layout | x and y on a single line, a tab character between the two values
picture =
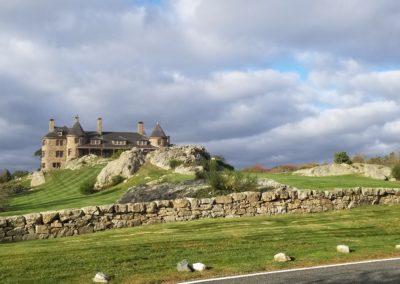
62	144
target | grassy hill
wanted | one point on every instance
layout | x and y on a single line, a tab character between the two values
148	254
330	182
61	190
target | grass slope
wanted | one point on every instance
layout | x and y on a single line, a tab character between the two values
345	181
149	254
61	190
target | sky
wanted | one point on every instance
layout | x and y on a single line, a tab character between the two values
258	82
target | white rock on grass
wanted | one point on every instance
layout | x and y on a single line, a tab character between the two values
397	246
343	249
101	277
282	257
198	266
37	178
184	266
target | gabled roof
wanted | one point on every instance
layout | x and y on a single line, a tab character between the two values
57	129
76	130
158	132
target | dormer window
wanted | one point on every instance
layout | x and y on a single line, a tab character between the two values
142	142
119	142
59	133
95	142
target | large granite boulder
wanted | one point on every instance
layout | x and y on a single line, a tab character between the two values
367	170
85	161
125	166
187	158
37	178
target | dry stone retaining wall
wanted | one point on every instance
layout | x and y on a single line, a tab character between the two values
72	222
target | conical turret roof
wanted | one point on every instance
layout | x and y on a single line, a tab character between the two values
158	132
77	129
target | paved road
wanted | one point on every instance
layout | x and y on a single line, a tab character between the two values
383	271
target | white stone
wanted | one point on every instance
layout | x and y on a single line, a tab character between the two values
198	266
282	257
343	249
126	165
84	161
397	246
190	157
367	170
101	277
37	178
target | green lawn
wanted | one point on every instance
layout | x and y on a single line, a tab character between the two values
61	190
148	254
346	181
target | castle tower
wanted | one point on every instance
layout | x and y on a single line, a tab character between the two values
73	140
158	137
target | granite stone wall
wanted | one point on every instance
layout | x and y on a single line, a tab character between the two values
70	222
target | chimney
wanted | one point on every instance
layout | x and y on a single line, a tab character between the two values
140	128
51	125
99	126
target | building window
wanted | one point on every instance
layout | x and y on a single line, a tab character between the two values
59	133
59	142
76	140
43	153
142	142
56	165
43	165
59	154
95	142
69	152
44	142
118	142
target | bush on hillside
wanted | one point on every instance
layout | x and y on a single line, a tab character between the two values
174	163
256	169
116	180
5	176
117	154
396	171
341	157
19	174
87	187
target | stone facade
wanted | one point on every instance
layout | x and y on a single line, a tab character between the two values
72	222
63	144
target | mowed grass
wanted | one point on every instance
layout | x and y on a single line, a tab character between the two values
149	254
61	190
345	181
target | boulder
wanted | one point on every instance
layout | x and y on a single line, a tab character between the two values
126	165
367	170
101	277
184	266
189	158
37	178
269	183
281	257
343	249
198	266
85	161
397	246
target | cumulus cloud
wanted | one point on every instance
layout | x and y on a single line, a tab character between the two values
210	71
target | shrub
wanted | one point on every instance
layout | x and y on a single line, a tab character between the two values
256	169
5	176
117	154
87	187
20	173
341	157
174	163
396	171
116	180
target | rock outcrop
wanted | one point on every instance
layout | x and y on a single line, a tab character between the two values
37	178
367	170
187	157
88	160
164	191
125	166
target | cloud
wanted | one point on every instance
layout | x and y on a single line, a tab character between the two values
212	72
